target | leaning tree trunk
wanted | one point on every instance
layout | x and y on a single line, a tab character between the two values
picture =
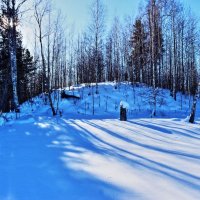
193	111
48	81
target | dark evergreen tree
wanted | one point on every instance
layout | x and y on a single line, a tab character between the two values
139	51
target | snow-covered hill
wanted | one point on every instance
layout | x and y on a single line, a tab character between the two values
86	157
107	102
139	98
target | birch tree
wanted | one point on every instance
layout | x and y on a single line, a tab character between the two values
11	9
97	11
96	29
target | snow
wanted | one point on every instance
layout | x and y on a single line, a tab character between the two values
1	121
124	104
81	156
72	92
107	102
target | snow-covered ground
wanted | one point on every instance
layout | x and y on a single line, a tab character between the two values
80	156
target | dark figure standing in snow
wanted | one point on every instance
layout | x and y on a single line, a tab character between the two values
123	116
123	110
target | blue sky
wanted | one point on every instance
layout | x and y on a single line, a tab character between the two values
194	5
77	11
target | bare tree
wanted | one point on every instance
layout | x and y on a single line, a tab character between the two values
97	29
41	9
152	30
97	11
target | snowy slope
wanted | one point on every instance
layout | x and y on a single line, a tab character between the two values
80	156
139	98
107	102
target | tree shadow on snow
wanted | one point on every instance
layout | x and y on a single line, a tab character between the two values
151	165
31	166
168	129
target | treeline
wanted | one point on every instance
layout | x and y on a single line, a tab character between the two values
160	48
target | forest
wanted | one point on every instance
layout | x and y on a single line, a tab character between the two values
159	48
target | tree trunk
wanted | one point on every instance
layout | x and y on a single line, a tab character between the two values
12	53
193	111
46	78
